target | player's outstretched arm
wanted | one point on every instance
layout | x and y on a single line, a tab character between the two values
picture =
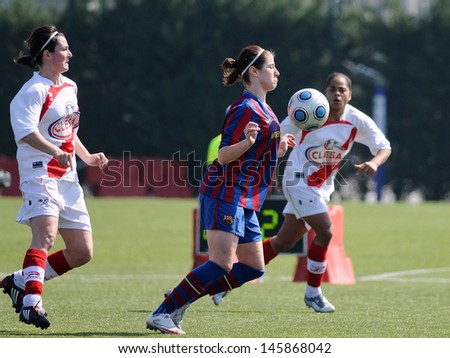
371	166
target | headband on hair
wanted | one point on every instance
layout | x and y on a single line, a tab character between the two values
252	62
47	42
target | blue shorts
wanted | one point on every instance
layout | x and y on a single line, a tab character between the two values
216	214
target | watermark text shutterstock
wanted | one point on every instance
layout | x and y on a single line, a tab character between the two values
188	172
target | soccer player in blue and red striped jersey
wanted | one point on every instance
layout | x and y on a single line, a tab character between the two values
245	180
233	189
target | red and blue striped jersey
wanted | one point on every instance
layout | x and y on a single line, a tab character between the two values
246	180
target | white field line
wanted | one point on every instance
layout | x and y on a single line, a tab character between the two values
398	276
409	276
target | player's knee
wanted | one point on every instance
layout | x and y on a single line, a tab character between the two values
224	262
283	243
287	245
323	237
44	241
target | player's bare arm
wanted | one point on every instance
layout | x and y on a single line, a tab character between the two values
96	159
234	151
37	141
370	167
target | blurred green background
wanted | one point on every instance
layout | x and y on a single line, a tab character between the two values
150	82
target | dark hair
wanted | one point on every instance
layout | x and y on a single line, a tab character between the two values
233	68
38	37
338	74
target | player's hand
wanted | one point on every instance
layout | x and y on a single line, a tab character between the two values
368	168
288	140
251	131
97	159
64	160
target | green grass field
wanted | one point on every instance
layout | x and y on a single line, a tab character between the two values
400	255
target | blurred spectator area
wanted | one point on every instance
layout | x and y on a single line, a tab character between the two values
131	176
9	164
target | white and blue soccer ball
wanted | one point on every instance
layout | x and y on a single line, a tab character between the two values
308	109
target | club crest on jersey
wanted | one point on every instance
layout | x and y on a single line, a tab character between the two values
227	220
330	144
276	134
70	110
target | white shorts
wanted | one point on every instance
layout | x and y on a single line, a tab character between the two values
303	200
60	198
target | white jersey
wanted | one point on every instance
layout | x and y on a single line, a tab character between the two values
54	112
315	160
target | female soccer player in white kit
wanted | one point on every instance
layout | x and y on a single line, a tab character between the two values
308	181
45	120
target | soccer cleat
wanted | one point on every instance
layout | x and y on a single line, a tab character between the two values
177	315
163	322
319	304
35	316
14	292
218	297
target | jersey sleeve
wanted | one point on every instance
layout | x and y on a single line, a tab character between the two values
370	135
25	111
234	125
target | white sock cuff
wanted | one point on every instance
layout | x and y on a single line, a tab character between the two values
316	267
